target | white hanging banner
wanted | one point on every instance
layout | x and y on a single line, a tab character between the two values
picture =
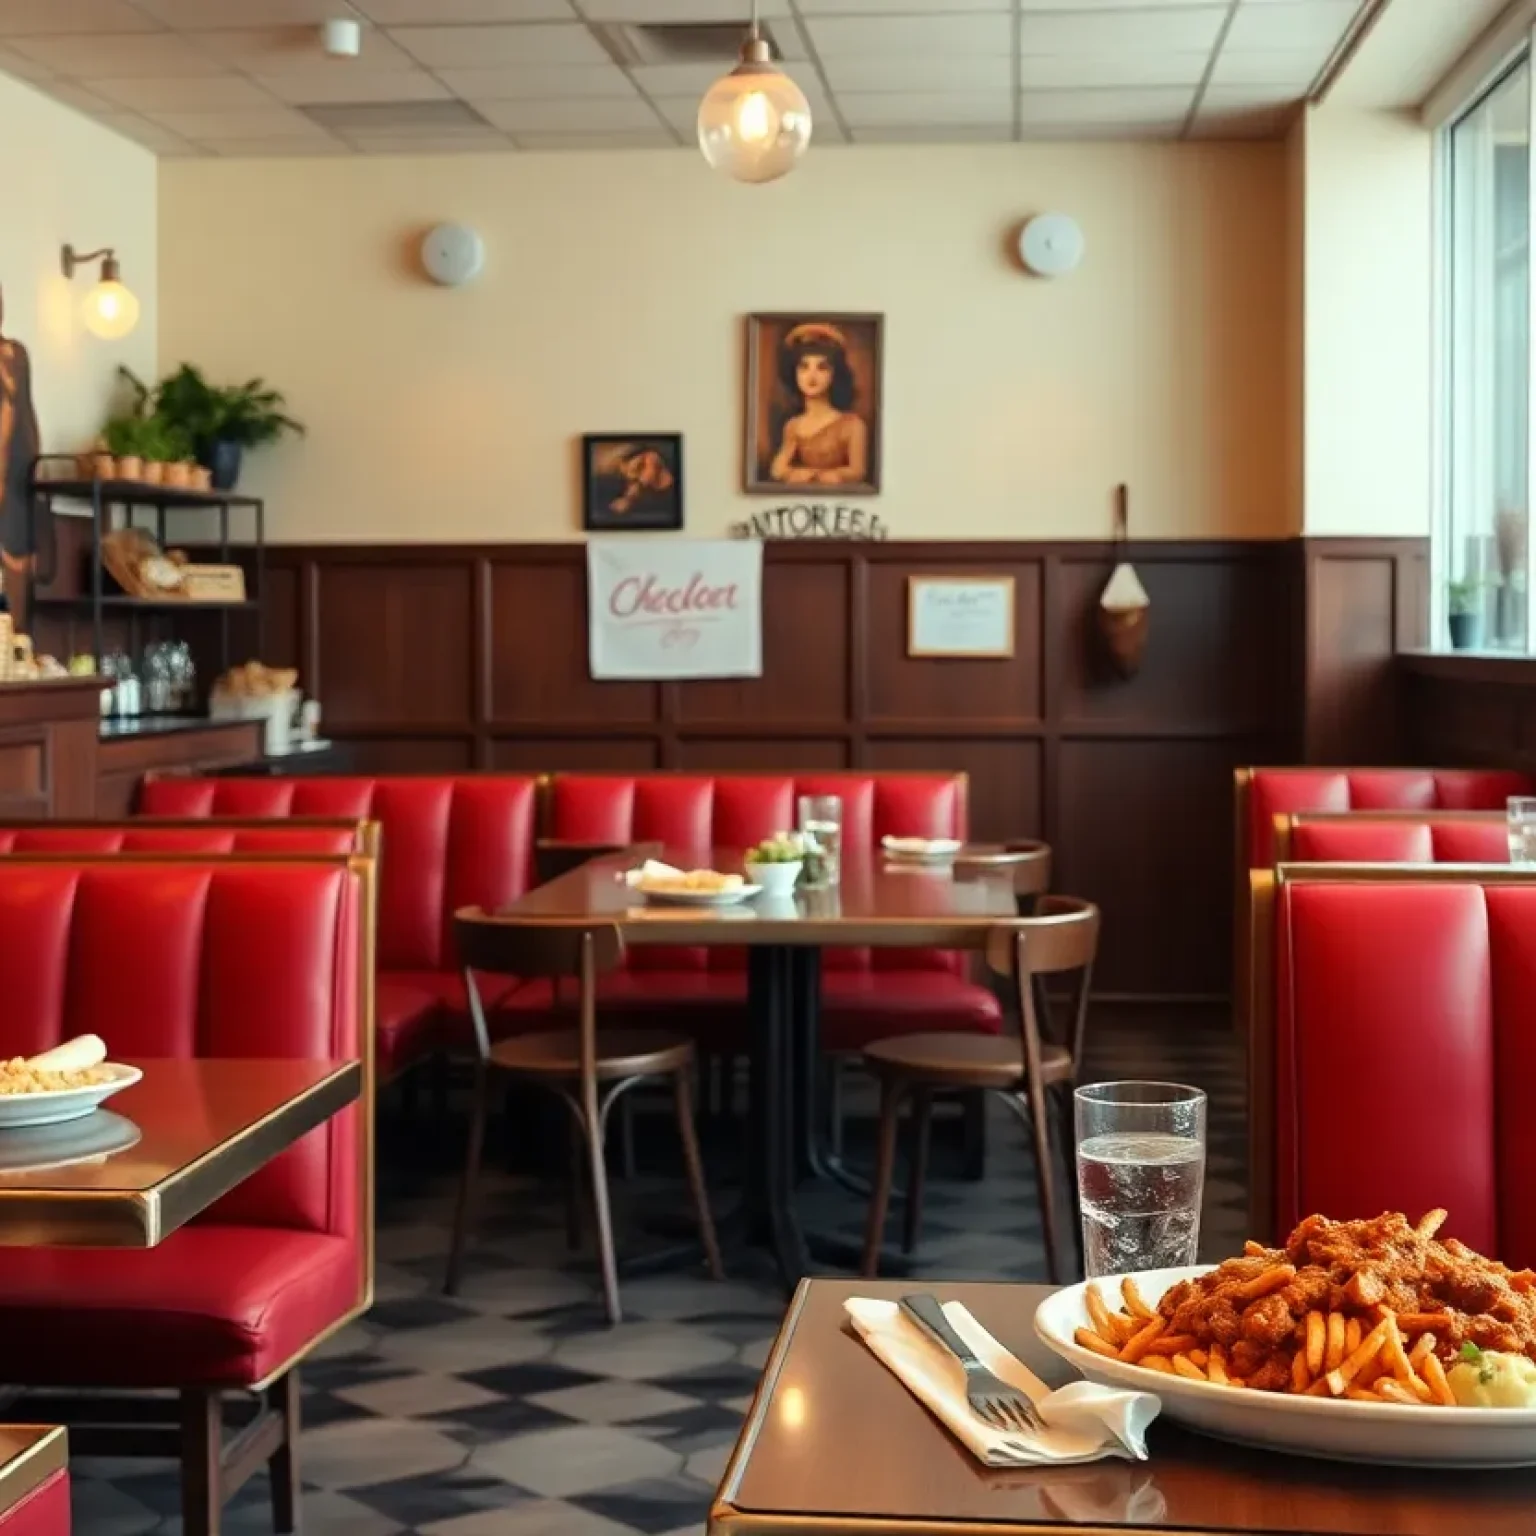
672	609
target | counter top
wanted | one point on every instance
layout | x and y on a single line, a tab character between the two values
140	727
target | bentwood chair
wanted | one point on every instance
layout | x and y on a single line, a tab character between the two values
1061	937
588	1069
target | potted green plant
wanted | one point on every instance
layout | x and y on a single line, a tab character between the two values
221	421
124	439
1463	617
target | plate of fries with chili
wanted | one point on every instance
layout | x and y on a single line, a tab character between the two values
1368	1341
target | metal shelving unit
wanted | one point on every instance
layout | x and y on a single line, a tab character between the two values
118	504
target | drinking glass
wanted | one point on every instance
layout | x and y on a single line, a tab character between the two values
1140	1173
1522	829
821	825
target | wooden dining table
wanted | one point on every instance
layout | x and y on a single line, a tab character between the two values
835	1445
876	903
155	1155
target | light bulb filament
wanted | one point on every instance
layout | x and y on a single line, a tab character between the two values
755	118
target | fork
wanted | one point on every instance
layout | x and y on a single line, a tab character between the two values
991	1399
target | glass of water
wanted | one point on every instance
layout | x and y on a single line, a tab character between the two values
1140	1174
821	825
1522	829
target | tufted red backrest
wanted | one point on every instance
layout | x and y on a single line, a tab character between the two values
446	842
1427	839
184	958
695	813
1274	791
1403	1052
181	837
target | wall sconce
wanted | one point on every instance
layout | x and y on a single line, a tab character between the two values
109	310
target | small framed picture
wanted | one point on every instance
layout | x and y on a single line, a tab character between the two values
631	480
813	403
960	616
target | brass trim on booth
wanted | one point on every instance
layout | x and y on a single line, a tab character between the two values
32	1454
1242	782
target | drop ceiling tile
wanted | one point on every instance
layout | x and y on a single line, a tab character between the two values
307	88
76	96
275	50
1077	7
695	79
1245	98
1146	105
1087	71
905	7
1293	24
23	69
680	10
941	73
532	83
875	37
452	13
1118	133
915	108
20	18
272	149
213	93
640	138
148	55
198	15
953	133
1288	67
142	131
595	116
483	47
255	123
432	144
1185	29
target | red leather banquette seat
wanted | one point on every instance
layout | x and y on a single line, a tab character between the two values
866	994
190	958
187	837
1394	1055
34	1476
446	843
42	1511
1393	837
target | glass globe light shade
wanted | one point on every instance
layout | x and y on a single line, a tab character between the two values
755	122
110	310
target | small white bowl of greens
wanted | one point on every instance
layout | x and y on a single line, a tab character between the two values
775	864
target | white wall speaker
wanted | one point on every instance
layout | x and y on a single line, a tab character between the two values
1051	245
452	254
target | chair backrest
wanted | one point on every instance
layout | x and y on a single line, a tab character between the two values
190	836
1061	936
1393	837
1392	1048
227	957
448	841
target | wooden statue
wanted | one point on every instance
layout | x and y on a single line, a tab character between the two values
19	447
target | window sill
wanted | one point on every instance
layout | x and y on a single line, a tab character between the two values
1501	667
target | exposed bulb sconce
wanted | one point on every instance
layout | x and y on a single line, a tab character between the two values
110	309
755	122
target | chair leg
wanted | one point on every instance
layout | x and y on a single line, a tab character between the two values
597	1167
1067	1132
973	1123
573	1190
464	1212
283	1465
682	1092
202	1446
1045	1164
835	1125
891	1093
922	1114
627	1136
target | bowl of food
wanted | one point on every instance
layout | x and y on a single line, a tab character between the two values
775	864
668	886
66	1083
1357	1341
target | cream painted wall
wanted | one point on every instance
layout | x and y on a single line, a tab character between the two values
65	179
1368	322
612	300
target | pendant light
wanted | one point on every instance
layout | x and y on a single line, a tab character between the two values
755	122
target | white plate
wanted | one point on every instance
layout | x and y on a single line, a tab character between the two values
936	848
699	898
59	1104
1307	1426
93	1138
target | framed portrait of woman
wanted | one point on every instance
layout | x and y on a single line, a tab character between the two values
813	403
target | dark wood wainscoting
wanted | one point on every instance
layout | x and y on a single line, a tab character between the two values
1476	709
458	657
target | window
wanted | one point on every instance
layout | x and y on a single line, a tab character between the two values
1483	556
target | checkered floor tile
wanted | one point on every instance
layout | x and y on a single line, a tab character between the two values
513	1410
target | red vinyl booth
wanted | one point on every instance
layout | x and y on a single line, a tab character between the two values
866	994
1393	837
43	1511
1393	1050
183	958
187	837
446	843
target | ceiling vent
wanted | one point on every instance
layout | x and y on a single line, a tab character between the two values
681	42
395	116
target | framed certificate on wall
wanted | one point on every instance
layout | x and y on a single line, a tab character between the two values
960	616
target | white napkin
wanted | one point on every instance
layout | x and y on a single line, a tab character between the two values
1084	1422
651	870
